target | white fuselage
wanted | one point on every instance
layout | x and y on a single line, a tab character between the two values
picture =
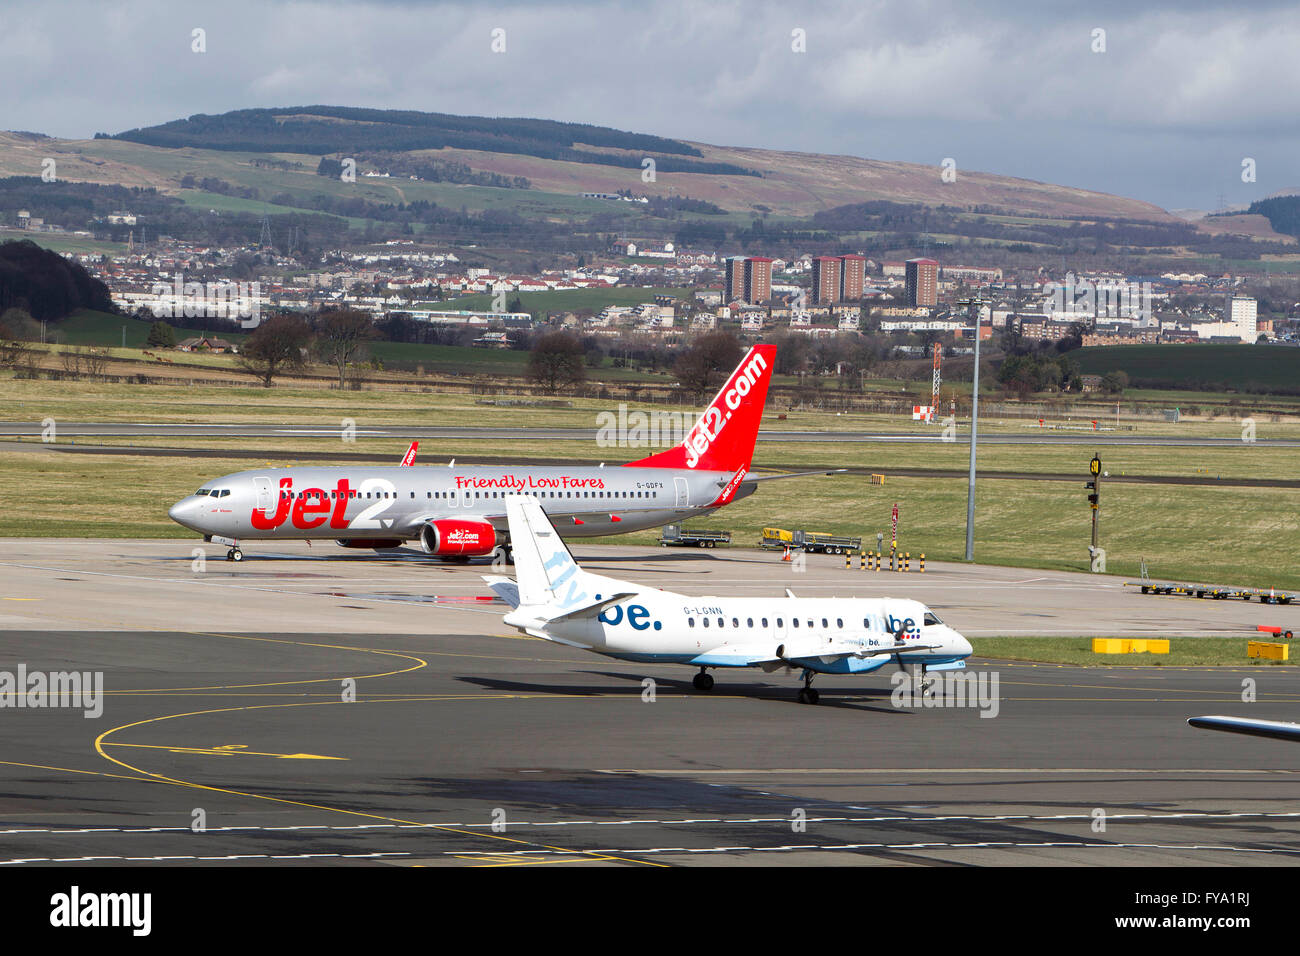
661	626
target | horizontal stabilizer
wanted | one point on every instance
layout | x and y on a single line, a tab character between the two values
794	474
504	588
593	608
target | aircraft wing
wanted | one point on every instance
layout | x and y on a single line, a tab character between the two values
792	652
1277	729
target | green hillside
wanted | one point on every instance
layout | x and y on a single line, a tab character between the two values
1242	368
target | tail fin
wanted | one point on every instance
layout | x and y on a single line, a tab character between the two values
551	587
723	438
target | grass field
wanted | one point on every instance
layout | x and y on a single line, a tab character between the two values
1207	533
1238	536
1190	651
1240	367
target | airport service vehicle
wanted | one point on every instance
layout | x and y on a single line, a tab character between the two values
458	512
811	541
553	598
675	534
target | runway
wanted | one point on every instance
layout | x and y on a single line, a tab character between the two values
227	738
494	436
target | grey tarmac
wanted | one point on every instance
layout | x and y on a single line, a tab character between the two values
467	746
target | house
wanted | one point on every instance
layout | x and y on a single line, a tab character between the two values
206	343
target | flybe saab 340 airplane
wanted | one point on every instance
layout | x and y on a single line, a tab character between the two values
553	598
457	513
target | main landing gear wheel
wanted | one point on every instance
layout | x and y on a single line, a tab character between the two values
806	693
703	681
234	554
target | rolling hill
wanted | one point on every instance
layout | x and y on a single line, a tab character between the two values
278	151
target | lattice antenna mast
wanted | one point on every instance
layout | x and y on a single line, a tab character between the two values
938	378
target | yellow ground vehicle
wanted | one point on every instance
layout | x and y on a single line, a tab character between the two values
812	541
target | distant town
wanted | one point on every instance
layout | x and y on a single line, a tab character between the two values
918	301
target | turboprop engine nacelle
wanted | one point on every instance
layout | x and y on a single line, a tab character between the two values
451	536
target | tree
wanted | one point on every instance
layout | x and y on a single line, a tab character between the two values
275	346
701	368
341	337
161	336
1115	382
557	361
12	351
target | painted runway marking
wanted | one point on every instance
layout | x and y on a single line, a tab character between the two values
783	820
521	855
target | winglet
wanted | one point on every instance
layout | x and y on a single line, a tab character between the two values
409	458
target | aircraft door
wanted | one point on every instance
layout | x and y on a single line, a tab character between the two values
683	492
265	498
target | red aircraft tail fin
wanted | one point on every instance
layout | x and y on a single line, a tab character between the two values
723	438
409	457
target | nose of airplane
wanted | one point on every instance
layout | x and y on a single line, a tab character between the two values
184	511
961	645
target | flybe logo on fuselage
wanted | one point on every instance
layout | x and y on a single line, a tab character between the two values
637	615
909	627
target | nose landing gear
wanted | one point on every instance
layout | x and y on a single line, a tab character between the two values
234	554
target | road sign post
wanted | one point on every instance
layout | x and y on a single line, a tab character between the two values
1094	495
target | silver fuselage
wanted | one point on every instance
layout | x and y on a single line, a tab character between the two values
369	502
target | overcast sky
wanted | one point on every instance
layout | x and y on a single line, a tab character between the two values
1183	92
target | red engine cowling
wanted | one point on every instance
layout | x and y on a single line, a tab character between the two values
452	536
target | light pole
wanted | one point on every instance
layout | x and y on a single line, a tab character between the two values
972	305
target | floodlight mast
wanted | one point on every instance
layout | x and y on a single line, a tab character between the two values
972	306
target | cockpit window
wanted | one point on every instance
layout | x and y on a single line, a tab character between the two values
931	618
203	491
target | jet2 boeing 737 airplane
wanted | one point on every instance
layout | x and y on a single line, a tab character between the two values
459	512
555	599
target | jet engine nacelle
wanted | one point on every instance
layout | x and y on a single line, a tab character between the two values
452	536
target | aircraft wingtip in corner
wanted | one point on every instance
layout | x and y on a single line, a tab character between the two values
1276	729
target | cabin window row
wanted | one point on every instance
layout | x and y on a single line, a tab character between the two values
446	495
780	622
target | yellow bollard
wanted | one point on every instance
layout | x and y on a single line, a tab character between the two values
907	560
862	560
923	562
879	560
848	560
